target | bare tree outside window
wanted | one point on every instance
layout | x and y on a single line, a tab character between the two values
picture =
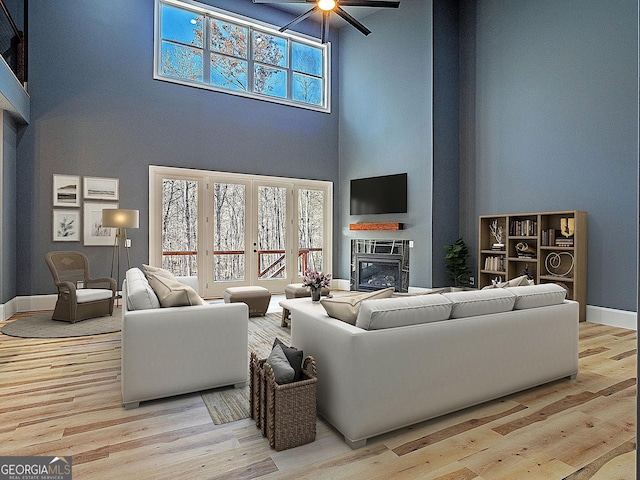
310	229
238	57
229	231
272	232
180	226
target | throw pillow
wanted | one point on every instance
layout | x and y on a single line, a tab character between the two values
282	370
346	308
293	356
172	293
149	270
521	281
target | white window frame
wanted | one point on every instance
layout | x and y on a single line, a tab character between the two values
253	25
206	177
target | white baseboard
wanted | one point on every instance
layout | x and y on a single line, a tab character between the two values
37	302
612	317
602	315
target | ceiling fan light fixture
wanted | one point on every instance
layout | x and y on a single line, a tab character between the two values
326	5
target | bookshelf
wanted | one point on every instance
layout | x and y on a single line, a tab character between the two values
550	246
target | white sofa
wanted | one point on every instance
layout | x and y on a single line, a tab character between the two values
428	355
175	350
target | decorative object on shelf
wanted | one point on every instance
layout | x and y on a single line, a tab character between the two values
527	271
524	250
496	231
120	219
456	263
556	266
567	226
316	281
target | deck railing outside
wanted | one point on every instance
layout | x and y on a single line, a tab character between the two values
272	269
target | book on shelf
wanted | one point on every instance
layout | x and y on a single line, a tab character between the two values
495	263
523	228
564	242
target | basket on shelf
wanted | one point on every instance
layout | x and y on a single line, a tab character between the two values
286	414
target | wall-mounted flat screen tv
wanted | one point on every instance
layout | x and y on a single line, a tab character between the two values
385	194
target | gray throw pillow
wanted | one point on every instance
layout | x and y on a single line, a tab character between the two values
294	357
282	370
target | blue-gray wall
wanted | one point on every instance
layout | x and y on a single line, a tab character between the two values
552	124
385	100
8	250
548	121
96	111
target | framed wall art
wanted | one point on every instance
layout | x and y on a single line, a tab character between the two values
97	188
66	191
66	225
94	233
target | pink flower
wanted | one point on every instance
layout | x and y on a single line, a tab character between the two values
316	279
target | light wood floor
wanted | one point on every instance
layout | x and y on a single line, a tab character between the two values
62	397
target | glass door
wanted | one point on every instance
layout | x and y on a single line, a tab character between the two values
272	245
230	229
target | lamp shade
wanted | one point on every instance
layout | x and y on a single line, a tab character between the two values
120	218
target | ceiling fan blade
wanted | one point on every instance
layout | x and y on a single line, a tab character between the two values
298	19
352	21
281	1
369	3
325	26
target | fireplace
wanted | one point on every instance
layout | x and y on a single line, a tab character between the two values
375	272
379	264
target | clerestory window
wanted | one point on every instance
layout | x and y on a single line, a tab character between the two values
202	46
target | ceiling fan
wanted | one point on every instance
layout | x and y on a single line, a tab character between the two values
328	6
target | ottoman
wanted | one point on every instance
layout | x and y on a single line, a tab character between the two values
257	298
297	290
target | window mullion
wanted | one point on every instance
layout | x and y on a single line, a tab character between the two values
250	65
206	50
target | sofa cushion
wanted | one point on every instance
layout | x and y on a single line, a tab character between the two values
538	295
480	302
282	369
401	311
346	308
85	295
172	293
140	295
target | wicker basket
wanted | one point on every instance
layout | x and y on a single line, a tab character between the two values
286	414
255	388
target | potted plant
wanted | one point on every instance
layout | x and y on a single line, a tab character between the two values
456	263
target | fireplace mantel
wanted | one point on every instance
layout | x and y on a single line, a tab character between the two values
376	226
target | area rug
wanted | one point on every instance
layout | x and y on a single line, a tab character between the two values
41	325
229	404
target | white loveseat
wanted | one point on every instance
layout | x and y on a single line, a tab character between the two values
175	350
428	355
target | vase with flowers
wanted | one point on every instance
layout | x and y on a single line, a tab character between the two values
316	281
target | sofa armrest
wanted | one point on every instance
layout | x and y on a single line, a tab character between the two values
175	350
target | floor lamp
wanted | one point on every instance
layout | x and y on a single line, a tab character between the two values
120	219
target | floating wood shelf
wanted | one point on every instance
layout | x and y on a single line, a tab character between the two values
376	226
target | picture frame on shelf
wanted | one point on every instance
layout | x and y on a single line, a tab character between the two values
94	233
66	225
100	188
66	190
